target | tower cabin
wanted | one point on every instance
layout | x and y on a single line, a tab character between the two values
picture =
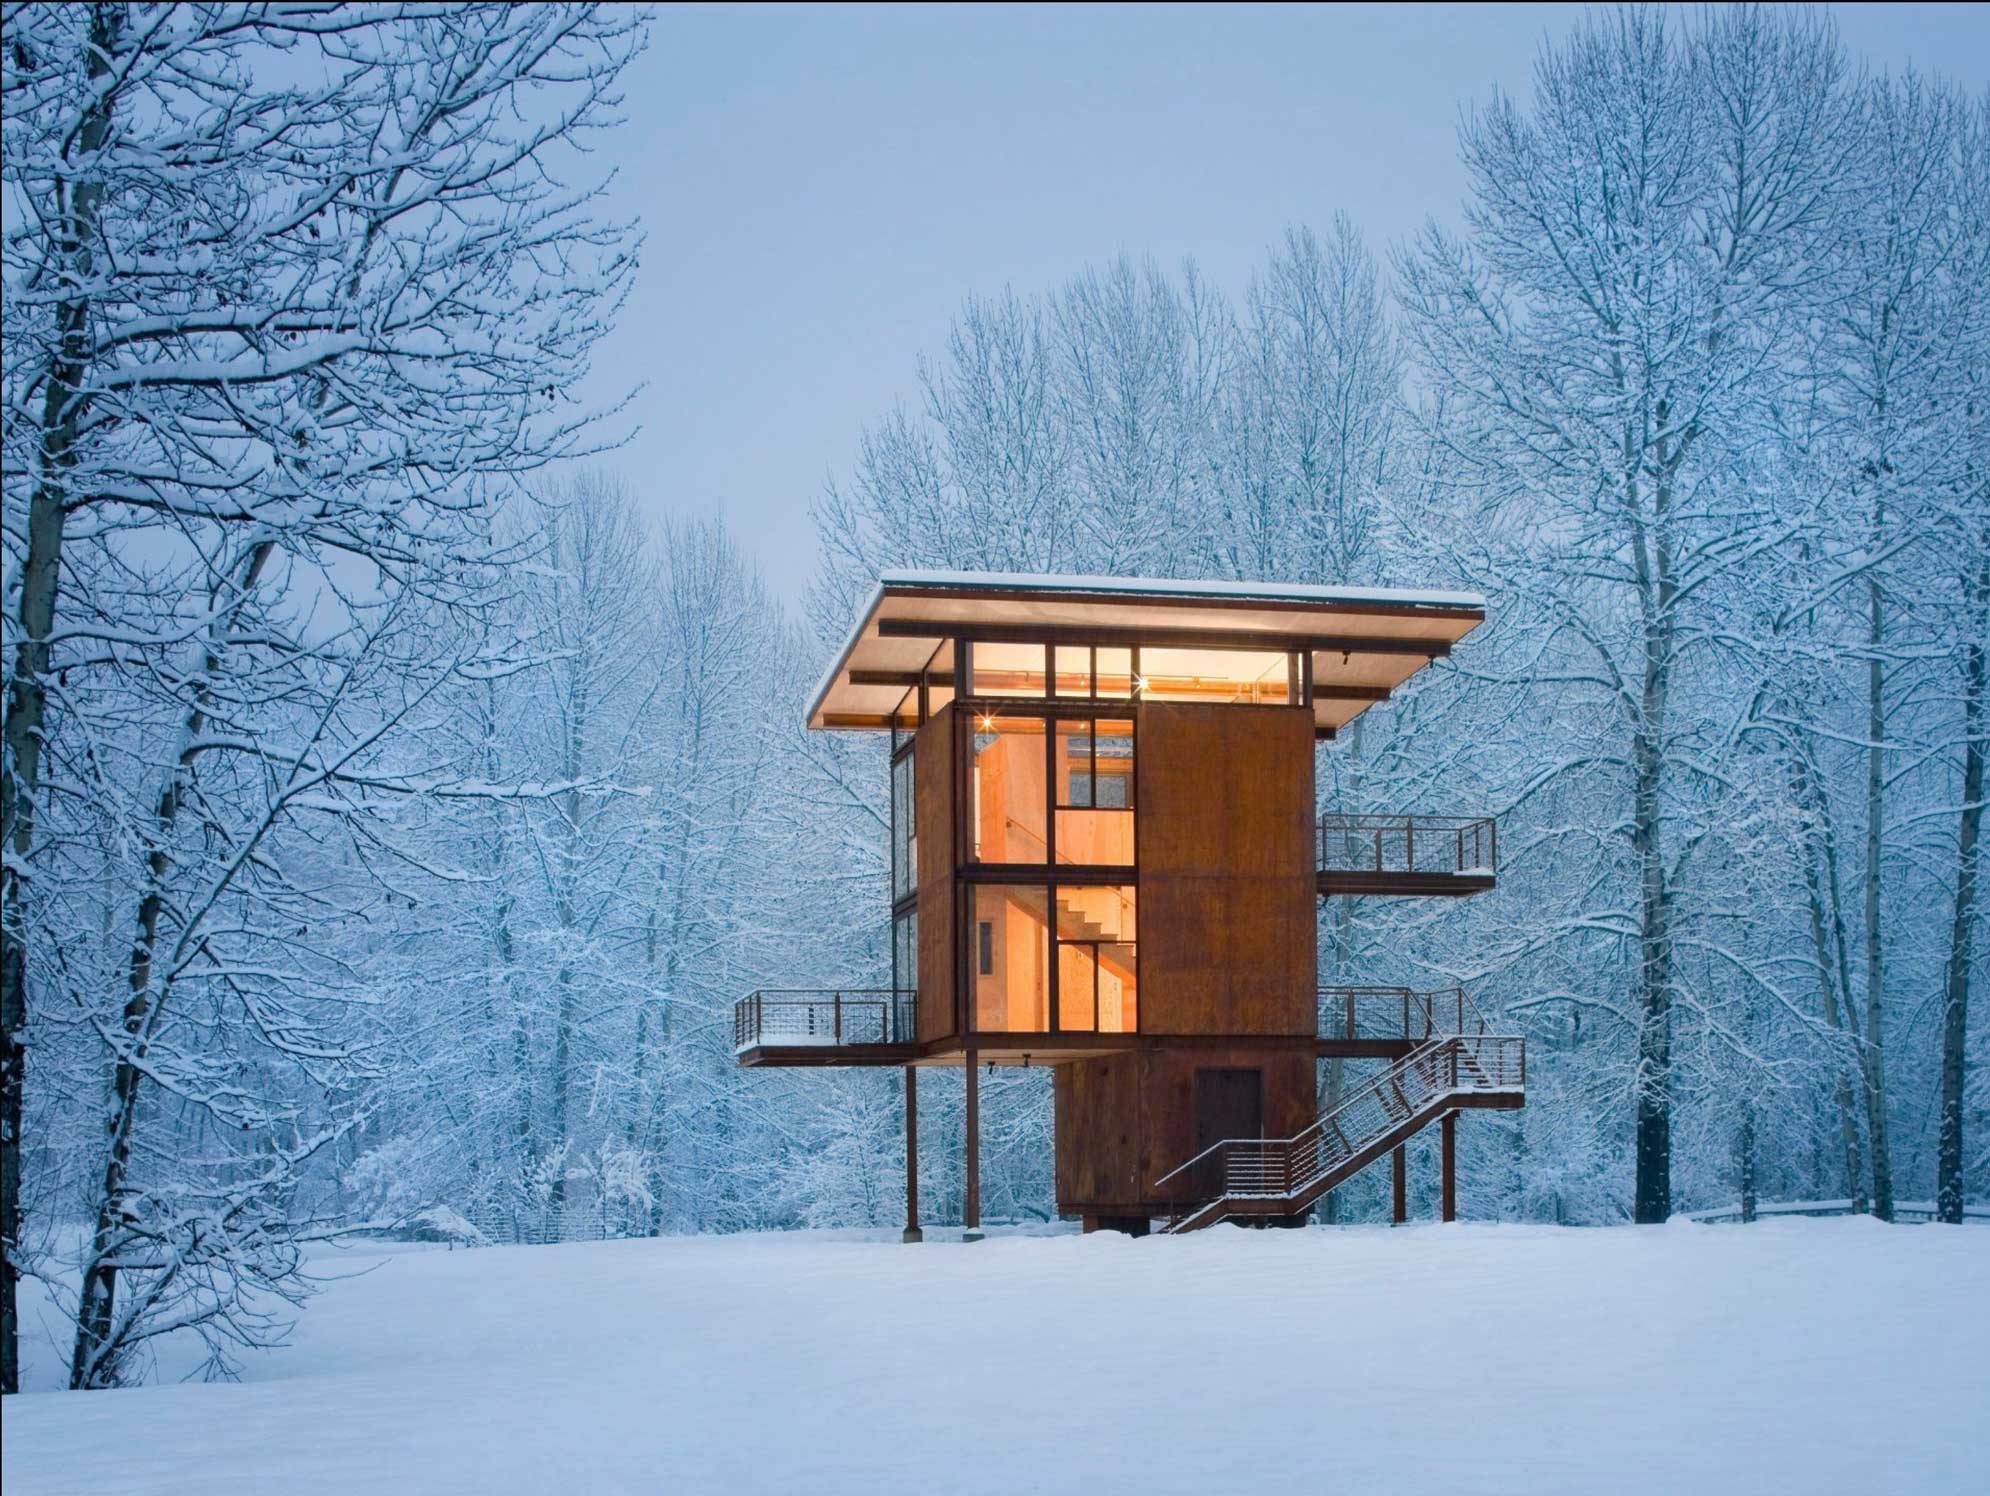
1105	859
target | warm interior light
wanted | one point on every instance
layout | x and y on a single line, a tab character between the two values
1139	684
987	722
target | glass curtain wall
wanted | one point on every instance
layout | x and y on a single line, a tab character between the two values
1011	951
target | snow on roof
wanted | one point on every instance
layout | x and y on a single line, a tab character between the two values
1298	592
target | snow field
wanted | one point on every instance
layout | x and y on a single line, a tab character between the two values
1807	1355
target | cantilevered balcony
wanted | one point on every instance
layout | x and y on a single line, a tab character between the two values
1386	1022
1448	856
825	1026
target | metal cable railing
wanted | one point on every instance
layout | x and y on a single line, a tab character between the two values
825	1016
1387	1013
1455	846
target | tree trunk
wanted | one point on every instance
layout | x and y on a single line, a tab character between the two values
1328	1211
1828	978
1955	1017
73	259
1652	1191
1745	1151
93	1358
1875	1045
562	1084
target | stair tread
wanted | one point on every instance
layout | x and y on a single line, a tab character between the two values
1440	1076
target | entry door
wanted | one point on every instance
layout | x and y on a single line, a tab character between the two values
1229	1103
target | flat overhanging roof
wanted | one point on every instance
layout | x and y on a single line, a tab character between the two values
1364	641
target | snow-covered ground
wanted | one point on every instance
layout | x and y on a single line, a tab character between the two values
1788	1356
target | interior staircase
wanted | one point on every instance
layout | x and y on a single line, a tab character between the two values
1073	924
1243	1177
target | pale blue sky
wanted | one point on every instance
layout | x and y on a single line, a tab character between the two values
822	187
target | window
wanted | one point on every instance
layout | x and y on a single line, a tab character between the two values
1091	963
905	952
904	830
1113	673
1097	975
1012	978
1007	793
1071	666
1249	677
1007	669
1079	672
1094	776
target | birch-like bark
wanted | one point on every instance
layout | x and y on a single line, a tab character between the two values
27	699
1875	1045
92	1359
1955	1014
1652	1192
1829	976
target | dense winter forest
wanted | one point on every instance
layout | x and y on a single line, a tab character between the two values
393	812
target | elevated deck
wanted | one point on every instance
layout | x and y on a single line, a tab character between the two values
801	1028
1407	856
826	1026
1386	1023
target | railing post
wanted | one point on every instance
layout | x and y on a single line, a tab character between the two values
1449	1128
971	1181
836	1010
912	1233
1409	844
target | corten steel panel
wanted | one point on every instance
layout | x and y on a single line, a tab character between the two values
1098	1129
1125	1120
1227	881
933	800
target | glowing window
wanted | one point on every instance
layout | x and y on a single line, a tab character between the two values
1097	970
1007	791
1008	669
1012	958
1093	769
1250	677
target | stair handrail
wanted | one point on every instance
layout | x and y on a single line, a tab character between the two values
1444	1065
1313	1128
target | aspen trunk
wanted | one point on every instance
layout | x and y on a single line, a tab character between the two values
1328	1210
1955	1016
93	1358
1745	1152
1653	1201
1875	1045
74	259
1652	1193
1829	975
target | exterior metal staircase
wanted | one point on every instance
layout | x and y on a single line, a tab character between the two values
1243	1177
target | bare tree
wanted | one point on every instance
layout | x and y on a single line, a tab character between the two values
268	344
